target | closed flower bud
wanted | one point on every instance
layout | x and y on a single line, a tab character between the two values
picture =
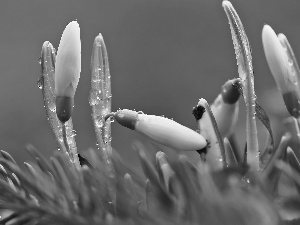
214	152
67	70
161	130
283	69
225	108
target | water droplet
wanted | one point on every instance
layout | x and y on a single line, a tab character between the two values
290	62
73	133
93	101
99	123
97	80
40	82
52	107
40	60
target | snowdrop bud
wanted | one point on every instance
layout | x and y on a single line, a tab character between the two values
67	70
127	118
226	107
230	91
214	152
161	130
282	69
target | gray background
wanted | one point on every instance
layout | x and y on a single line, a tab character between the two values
164	55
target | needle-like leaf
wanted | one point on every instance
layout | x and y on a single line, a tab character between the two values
100	101
245	69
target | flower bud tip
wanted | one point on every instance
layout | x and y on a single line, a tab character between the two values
230	91
198	112
68	61
126	118
64	108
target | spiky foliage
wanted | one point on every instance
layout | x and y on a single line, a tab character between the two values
176	192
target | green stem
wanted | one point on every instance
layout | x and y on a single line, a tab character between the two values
72	155
245	70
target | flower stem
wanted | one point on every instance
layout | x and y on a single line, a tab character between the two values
245	70
66	141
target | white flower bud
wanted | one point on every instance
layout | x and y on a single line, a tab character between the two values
67	70
225	108
283	70
161	130
214	151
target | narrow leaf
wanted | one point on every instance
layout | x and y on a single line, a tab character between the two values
46	83
230	155
100	102
245	69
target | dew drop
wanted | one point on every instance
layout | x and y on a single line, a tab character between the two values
40	82
73	133
94	101
99	123
40	60
52	107
220	159
96	80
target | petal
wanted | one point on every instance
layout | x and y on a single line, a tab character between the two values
68	61
276	57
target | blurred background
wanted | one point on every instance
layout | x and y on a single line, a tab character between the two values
164	55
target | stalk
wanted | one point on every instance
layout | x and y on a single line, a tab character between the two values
100	102
245	70
46	83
